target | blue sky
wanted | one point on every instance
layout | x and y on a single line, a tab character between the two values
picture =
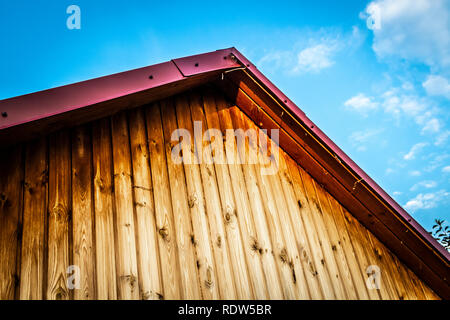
381	93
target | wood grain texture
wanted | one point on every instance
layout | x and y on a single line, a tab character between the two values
10	219
147	243
221	243
104	210
126	261
201	239
109	198
82	212
168	250
233	212
59	216
190	281
34	221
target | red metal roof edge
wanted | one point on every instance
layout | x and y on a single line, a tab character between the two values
27	108
408	219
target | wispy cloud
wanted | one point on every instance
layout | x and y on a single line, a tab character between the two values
446	169
414	150
313	54
360	138
361	103
427	200
442	138
315	58
428	184
432	125
437	160
415	173
437	86
310	59
400	104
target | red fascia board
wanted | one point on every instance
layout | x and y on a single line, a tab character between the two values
43	104
288	104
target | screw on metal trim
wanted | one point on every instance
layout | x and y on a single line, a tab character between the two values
150	77
196	64
4	114
225	58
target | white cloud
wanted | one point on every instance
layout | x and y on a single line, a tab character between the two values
437	86
407	86
389	171
397	193
428	184
414	150
432	125
442	138
416	30
446	169
360	138
402	105
427	201
436	162
311	53
315	58
363	136
361	103
318	55
398	103
415	173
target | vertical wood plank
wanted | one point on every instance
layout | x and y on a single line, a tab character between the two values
289	255
415	284
358	274
104	210
315	255
304	251
324	241
393	289
335	244
397	281
127	274
82	212
358	247
168	251
11	174
183	224
34	221
150	282
384	290
429	294
59	219
209	282
221	245
235	211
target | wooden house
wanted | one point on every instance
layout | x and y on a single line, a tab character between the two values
94	206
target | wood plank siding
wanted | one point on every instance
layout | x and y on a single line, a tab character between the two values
105	207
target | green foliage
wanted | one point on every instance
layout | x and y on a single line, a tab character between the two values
441	232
